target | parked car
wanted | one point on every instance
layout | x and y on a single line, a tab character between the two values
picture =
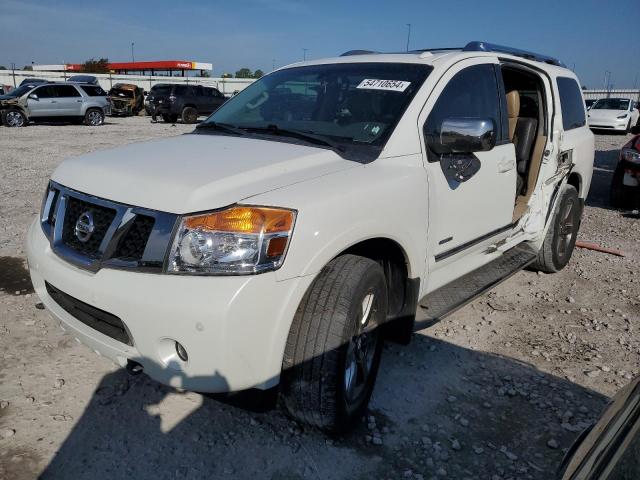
54	102
309	217
88	79
126	99
186	102
626	176
617	114
609	449
32	81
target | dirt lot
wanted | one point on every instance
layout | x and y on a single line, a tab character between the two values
498	390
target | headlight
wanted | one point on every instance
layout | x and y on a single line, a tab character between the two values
235	241
630	155
622	116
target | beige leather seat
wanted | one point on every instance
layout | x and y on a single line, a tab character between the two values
513	110
522	132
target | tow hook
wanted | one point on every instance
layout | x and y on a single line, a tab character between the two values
134	368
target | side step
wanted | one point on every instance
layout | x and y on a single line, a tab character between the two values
449	298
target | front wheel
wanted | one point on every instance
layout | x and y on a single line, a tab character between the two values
561	236
620	194
334	347
93	117
14	118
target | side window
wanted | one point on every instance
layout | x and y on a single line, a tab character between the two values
571	103
66	91
180	90
44	92
215	92
473	92
93	91
198	91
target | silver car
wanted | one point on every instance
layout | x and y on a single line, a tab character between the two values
54	101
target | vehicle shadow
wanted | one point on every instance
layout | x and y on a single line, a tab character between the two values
436	407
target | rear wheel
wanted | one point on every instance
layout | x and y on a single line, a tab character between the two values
561	236
94	117
14	118
334	347
189	115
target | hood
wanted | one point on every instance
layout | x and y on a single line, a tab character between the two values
192	173
606	114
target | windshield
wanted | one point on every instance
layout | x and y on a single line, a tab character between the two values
116	92
18	92
161	90
356	104
611	104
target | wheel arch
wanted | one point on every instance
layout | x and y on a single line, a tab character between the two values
576	181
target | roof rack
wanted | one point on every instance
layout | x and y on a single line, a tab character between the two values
491	47
358	52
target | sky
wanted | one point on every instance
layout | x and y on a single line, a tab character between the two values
591	36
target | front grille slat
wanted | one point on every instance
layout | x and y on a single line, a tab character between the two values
104	322
131	246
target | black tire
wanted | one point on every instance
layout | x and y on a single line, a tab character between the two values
619	195
561	236
189	115
170	118
13	117
329	347
629	127
94	117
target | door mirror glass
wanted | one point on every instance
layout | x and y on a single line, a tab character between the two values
33	96
463	135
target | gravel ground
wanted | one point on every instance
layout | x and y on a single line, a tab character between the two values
498	390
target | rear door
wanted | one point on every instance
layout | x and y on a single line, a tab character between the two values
69	100
216	98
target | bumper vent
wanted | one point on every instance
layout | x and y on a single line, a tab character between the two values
93	317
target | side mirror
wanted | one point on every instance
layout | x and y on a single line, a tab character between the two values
33	96
463	135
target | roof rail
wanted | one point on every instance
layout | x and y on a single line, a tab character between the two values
358	52
491	47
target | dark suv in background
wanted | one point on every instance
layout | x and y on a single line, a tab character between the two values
186	102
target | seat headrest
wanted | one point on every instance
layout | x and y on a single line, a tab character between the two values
513	104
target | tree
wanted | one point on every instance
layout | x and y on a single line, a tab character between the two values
244	73
227	75
27	67
2	67
95	66
258	73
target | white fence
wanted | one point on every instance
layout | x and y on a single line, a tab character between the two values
597	94
228	86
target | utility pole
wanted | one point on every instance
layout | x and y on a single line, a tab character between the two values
304	54
408	35
273	64
133	59
607	77
13	73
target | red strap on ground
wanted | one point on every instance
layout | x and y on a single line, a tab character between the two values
598	248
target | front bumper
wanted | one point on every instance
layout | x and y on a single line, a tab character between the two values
233	328
618	125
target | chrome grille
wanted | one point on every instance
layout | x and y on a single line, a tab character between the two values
122	236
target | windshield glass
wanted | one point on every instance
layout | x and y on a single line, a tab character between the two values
355	104
161	90
18	92
116	92
611	104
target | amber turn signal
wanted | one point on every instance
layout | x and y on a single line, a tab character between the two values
244	220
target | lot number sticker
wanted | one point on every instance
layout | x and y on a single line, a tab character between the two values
389	85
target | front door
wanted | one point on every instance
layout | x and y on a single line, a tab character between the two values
42	102
472	207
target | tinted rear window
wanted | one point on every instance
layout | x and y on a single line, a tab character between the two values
571	103
93	91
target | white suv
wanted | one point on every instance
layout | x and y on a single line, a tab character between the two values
312	215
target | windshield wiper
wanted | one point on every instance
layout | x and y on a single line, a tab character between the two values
274	129
222	127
